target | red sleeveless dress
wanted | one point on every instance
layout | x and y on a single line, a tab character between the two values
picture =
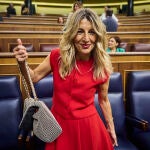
73	107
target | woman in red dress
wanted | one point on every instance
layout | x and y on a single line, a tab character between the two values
81	67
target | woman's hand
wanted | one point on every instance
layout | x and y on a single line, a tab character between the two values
112	134
20	51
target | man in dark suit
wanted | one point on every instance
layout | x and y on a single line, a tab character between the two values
11	10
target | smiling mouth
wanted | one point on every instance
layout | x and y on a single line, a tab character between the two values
85	46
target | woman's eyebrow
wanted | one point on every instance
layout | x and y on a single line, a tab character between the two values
80	28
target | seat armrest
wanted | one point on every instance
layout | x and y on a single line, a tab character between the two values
137	122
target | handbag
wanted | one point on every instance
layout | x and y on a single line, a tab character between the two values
36	115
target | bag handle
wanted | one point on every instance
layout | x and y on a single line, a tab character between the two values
26	78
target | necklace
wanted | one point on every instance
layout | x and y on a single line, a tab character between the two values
82	73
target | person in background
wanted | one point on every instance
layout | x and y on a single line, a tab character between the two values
25	10
114	45
119	10
11	10
76	5
28	8
60	20
1	18
103	16
81	67
110	23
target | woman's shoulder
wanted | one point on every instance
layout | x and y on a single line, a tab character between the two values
54	57
119	49
55	52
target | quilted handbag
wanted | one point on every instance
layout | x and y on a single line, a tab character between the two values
36	115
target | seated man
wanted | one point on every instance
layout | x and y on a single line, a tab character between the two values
11	10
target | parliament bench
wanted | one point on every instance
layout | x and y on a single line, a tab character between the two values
132	27
28	26
135	47
29	46
47	47
11	105
137	102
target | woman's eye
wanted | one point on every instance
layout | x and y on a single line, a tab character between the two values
79	32
92	32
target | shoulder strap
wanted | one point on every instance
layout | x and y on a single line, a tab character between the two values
26	78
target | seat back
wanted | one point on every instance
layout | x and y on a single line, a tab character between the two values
126	46
140	47
115	95
44	90
138	94
47	47
10	112
29	47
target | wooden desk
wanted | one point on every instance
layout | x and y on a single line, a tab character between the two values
122	62
28	26
134	27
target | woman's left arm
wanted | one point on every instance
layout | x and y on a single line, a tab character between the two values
106	109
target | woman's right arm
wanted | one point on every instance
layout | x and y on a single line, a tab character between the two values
40	71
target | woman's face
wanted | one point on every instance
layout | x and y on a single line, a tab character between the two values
112	44
60	20
85	39
76	7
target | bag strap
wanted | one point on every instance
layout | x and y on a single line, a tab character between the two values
26	78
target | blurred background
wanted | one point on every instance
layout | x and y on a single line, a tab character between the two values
63	7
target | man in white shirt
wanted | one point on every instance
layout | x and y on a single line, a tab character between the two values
103	16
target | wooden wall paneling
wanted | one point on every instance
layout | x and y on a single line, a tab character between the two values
36	37
28	37
30	27
122	62
134	27
132	37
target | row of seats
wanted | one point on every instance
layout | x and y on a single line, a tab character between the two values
45	47
136	47
10	112
138	93
138	102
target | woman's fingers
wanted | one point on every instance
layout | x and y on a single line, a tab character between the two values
19	45
20	51
19	41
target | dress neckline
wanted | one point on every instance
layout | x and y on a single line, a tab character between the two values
84	61
84	67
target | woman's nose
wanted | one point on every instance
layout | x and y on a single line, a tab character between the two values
86	37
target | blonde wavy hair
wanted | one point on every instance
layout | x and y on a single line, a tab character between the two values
102	63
